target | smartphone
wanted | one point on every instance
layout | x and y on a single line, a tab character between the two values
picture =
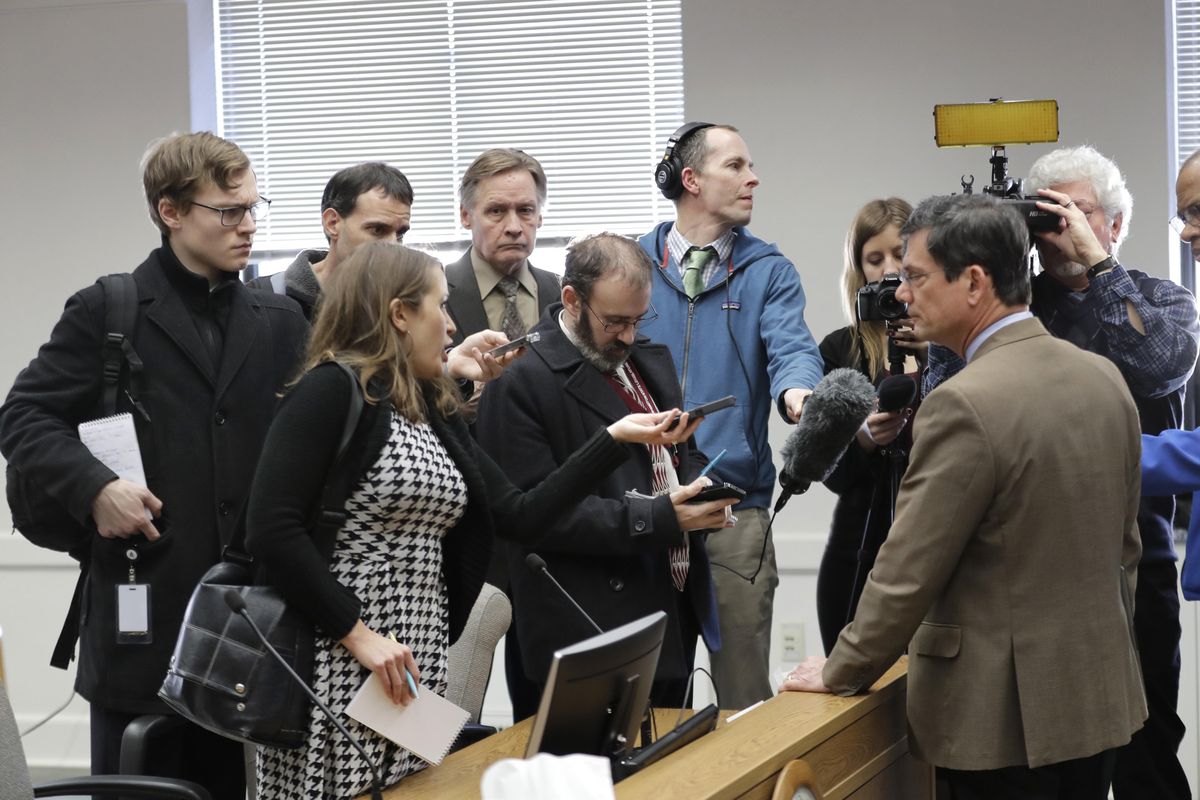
719	491
705	410
515	344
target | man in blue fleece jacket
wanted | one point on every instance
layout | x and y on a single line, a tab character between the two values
731	309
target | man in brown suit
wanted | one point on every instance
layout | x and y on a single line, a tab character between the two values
1009	571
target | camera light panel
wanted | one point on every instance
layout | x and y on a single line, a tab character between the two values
995	123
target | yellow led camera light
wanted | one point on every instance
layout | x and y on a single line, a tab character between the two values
995	123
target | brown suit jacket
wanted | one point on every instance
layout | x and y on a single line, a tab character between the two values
1011	563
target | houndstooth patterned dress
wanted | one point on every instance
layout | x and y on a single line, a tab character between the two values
389	553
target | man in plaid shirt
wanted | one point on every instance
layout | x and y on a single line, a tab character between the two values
1147	327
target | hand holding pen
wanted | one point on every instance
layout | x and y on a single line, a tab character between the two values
391	661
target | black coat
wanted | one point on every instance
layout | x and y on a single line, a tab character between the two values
200	448
609	551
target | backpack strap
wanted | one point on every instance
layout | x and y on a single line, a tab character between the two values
120	320
331	514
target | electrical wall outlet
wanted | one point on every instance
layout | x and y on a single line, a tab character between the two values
791	635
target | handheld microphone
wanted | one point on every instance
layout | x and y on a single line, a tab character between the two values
833	413
237	604
538	564
896	392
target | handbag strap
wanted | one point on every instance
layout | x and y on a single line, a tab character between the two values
331	514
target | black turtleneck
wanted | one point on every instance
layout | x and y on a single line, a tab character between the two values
207	305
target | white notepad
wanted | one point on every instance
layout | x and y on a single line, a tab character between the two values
113	441
427	726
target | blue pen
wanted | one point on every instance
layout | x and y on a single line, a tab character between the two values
412	685
712	463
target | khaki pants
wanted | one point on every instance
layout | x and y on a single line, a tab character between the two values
741	667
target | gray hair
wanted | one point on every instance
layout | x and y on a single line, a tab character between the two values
976	229
497	161
1086	163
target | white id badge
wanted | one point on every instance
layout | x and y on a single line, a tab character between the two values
133	613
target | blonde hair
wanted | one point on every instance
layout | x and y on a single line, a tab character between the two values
871	220
498	161
178	166
354	326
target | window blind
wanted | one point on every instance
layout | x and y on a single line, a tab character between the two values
590	89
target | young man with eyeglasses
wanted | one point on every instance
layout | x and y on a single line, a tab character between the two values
1148	327
634	546
214	356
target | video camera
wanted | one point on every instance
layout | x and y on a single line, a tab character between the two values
996	124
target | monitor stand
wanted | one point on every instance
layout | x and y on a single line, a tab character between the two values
700	723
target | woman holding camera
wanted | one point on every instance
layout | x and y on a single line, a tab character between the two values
423	506
863	479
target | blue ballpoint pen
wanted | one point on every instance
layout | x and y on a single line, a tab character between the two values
712	463
412	685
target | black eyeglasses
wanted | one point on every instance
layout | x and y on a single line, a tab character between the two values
232	217
620	326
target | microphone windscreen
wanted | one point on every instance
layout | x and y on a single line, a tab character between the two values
834	412
235	601
896	392
535	562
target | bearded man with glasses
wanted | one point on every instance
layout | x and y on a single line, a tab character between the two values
1148	327
635	545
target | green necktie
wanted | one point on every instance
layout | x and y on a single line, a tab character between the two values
694	262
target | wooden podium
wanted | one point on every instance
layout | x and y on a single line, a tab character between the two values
857	747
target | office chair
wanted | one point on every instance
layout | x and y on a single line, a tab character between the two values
16	785
469	661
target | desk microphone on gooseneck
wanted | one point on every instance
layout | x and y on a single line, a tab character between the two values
538	564
237	604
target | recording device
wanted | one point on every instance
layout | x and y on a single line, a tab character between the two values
237	604
705	410
896	392
996	124
515	344
834	412
722	491
877	300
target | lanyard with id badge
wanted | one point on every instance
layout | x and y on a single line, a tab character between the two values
133	606
113	441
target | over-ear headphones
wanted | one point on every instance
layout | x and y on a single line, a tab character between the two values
668	175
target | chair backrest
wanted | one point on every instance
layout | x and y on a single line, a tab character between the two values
796	782
469	663
14	772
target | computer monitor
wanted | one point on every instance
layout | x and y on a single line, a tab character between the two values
597	691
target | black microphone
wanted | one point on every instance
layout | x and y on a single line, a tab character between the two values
237	604
896	392
833	413
538	564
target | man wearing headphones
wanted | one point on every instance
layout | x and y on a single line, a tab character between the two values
731	309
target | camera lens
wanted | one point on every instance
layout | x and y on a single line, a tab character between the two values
890	307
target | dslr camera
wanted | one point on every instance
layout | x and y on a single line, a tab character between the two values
877	301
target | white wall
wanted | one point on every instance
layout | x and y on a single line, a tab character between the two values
835	100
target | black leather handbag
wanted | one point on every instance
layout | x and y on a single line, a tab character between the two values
220	676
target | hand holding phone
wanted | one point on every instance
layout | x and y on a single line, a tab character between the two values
515	344
719	491
706	409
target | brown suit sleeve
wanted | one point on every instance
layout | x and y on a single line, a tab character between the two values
947	490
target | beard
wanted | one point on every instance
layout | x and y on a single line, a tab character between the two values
607	358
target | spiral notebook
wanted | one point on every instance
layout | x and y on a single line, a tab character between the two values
427	726
113	441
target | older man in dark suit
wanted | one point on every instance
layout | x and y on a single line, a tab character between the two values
493	286
1009	572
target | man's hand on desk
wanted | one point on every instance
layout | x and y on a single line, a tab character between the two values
806	677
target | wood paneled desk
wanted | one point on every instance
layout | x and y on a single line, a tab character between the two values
857	747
